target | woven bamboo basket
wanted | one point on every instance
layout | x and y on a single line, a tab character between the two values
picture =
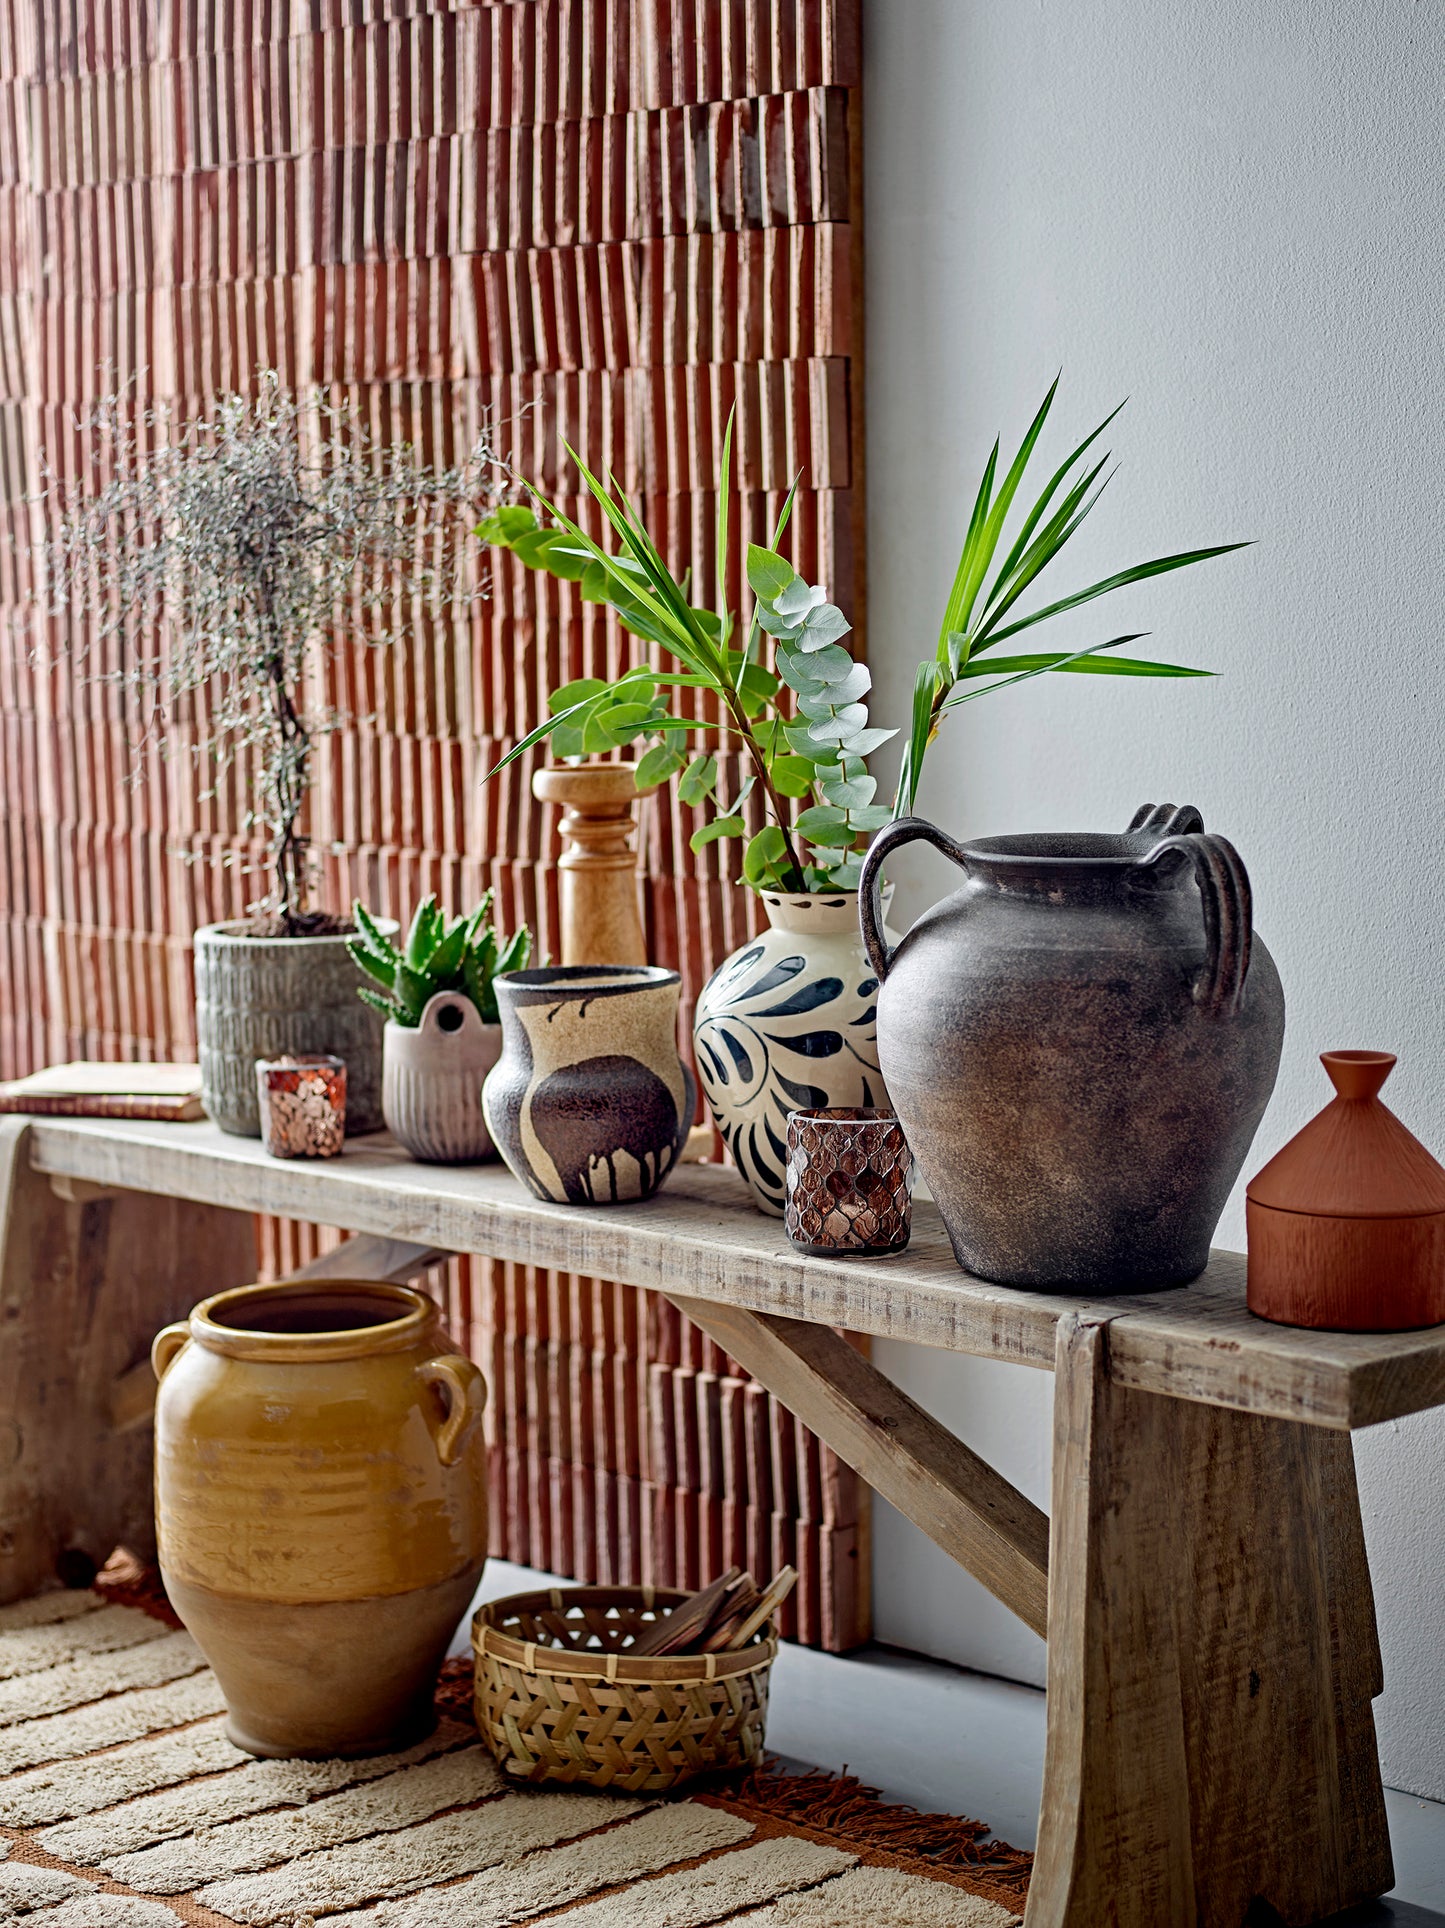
558	1699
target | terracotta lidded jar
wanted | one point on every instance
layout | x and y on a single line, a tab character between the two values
1347	1222
321	1506
432	1077
589	1103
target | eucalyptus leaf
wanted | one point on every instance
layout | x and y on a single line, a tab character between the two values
798	600
823	626
870	817
769	575
820	817
853	687
827	665
864	742
856	794
841	725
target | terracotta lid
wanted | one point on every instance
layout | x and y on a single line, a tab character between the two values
1356	1160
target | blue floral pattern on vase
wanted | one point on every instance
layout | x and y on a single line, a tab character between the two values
787	1023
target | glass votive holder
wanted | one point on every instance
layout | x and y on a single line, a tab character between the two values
850	1181
303	1104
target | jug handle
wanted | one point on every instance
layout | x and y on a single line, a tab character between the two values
870	885
1228	917
1166	819
464	1390
166	1344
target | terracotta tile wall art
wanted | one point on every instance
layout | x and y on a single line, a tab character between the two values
601	221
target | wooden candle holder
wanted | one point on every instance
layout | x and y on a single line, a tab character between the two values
601	921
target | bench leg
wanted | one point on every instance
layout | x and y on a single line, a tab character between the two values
1211	1754
86	1281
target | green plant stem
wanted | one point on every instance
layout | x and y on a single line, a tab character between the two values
760	765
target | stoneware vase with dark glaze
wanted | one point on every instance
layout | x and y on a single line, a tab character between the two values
321	1507
273	997
787	1024
431	1081
589	1103
1080	1044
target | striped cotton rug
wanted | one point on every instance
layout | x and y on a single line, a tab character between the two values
123	1805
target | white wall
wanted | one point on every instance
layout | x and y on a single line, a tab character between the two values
1233	212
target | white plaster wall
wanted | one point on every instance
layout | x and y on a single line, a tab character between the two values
1233	212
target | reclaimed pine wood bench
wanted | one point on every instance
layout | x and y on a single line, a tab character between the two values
1202	1581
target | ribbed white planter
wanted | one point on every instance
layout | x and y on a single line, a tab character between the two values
262	997
431	1090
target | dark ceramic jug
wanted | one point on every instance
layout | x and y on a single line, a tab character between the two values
1080	1044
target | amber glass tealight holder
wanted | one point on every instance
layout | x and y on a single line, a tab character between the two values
850	1182
303	1104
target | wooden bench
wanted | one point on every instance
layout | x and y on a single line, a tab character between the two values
1203	1584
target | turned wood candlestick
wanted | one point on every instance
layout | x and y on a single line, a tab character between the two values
601	922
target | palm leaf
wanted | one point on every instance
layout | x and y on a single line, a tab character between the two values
953	609
925	691
992	528
1041	552
1141	572
1040	669
724	484
1036	514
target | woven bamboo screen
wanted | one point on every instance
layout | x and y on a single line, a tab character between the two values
601	221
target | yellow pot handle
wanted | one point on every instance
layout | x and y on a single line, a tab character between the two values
166	1344
465	1391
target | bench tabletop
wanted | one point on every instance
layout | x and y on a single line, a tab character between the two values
701	1236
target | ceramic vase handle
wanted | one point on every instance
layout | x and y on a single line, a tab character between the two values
1166	819
1228	917
870	885
439	1003
465	1392
166	1344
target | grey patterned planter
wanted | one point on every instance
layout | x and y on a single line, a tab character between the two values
261	997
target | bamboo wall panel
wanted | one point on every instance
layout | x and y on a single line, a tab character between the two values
604	222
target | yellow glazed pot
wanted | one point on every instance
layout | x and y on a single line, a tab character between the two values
321	1506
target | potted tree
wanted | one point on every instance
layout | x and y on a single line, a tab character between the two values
221	559
782	764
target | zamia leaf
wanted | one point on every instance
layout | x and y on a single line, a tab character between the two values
719	827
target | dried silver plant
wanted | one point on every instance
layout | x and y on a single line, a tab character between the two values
218	558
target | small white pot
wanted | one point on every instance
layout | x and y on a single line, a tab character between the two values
431	1081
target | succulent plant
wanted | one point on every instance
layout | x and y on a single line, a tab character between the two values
463	955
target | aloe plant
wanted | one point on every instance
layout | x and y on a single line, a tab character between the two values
461	954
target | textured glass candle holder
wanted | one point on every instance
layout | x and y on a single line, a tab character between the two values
849	1183
303	1105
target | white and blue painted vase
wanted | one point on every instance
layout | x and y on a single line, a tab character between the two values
787	1023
